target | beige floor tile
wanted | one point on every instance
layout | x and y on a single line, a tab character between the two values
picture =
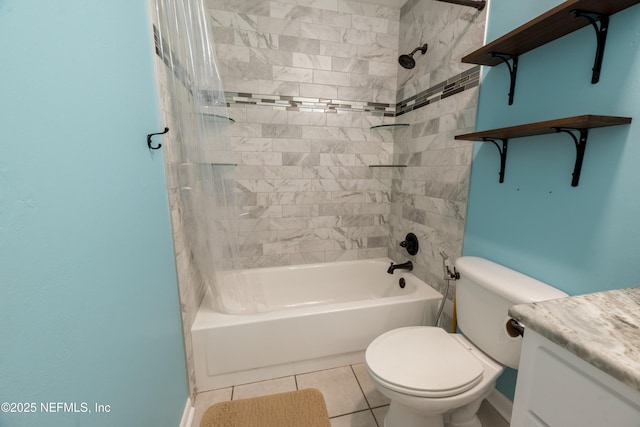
339	387
380	413
358	419
263	388
342	392
374	397
206	399
489	417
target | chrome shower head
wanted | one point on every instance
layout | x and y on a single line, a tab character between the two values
407	61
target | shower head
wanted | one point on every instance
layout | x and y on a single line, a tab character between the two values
407	61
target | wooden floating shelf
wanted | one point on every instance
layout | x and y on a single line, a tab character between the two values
555	23
550	126
569	125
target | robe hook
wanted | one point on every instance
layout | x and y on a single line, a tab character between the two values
152	134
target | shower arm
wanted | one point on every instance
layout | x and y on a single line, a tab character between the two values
422	48
471	3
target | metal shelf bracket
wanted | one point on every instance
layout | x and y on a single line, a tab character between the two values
581	144
600	24
513	70
503	155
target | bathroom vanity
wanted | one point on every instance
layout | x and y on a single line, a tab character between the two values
580	363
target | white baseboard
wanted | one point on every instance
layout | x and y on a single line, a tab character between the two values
501	403
187	415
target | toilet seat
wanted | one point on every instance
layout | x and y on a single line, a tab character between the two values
423	361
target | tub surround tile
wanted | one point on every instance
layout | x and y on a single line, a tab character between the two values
601	328
283	125
438	99
349	80
285	27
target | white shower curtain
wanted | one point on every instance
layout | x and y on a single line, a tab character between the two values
202	155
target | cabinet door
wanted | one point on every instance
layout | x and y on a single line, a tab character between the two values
557	389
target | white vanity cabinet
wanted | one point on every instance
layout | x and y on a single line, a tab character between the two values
558	389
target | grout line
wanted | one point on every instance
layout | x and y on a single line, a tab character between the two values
365	397
380	406
375	420
361	389
351	413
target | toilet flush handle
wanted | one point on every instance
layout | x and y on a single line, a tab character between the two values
514	328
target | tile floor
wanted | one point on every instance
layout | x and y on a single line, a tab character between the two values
351	397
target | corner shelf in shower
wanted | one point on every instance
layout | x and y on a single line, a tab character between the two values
577	127
218	117
393	126
387	166
551	25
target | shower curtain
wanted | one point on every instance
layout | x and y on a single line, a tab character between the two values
201	154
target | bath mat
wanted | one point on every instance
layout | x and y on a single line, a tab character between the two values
302	408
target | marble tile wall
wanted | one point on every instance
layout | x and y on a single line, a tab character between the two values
450	30
305	81
191	286
429	195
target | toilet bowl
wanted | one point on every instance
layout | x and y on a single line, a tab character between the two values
432	378
437	379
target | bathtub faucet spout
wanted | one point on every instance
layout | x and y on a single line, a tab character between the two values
406	266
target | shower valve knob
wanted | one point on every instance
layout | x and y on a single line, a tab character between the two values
410	244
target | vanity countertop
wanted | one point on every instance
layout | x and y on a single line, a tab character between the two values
602	328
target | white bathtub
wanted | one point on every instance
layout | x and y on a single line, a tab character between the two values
320	316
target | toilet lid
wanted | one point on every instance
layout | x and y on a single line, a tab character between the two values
423	361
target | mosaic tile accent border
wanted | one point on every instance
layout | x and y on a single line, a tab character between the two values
456	84
169	59
298	103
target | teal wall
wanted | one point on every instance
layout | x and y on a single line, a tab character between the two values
579	239
89	309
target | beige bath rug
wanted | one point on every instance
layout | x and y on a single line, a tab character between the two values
302	408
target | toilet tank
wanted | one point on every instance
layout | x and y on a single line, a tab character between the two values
484	293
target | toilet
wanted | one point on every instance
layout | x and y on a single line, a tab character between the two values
438	379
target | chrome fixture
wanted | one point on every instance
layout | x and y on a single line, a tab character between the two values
450	273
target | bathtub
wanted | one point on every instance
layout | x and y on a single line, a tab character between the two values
318	316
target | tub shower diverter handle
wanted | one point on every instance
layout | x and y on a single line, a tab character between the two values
410	243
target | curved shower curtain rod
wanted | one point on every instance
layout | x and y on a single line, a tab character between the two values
472	3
